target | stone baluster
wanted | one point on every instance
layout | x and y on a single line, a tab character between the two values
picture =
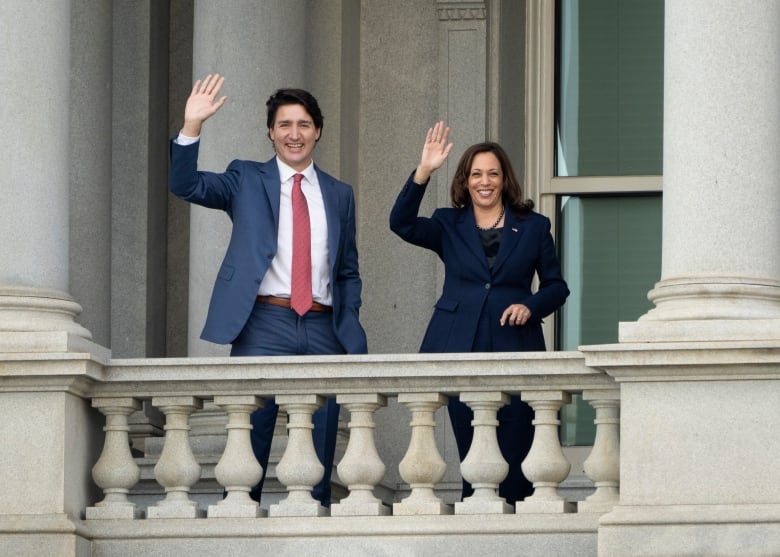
603	464
361	468
238	470
422	467
545	466
176	470
299	469
484	466
115	472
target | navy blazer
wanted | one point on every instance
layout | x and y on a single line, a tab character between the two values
250	193
471	286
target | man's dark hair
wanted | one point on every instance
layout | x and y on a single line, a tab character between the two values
293	96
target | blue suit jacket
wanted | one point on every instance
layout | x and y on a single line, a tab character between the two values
470	286
250	192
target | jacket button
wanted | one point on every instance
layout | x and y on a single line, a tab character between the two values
487	286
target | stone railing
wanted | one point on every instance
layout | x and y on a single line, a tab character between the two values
74	490
362	385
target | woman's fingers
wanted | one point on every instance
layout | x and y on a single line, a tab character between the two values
515	315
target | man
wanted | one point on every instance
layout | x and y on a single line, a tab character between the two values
289	282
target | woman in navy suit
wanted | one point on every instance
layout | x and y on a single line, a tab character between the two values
492	244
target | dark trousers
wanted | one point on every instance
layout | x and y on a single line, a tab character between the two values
277	331
515	430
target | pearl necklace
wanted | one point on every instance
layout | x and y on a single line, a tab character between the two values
500	216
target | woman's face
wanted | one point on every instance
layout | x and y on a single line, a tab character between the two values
486	181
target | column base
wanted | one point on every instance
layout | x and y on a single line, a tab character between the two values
496	506
708	309
359	509
175	510
50	342
236	511
297	509
421	507
39	320
545	507
710	330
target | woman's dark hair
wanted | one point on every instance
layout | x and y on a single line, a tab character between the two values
293	96
512	193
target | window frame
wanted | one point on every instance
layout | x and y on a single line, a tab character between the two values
540	122
539	174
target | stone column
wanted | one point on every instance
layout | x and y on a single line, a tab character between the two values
48	431
258	47
139	178
700	373
720	276
463	63
90	164
36	311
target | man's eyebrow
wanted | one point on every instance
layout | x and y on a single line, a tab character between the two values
301	121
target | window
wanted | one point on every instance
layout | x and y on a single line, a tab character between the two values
609	87
595	111
611	257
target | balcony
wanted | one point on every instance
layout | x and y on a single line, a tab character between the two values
77	487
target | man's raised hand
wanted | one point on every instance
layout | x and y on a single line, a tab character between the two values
201	104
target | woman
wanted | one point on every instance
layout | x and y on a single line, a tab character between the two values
491	243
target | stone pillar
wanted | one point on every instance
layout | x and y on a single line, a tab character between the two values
48	431
720	275
36	311
463	77
258	47
90	164
700	373
139	178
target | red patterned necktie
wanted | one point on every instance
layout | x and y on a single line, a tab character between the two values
300	293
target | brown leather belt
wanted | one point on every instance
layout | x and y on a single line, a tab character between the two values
285	303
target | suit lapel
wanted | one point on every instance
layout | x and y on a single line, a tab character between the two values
466	226
510	238
272	186
331	201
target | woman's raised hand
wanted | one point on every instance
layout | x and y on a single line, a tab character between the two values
201	104
434	153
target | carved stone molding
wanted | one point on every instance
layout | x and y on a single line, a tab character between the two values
457	11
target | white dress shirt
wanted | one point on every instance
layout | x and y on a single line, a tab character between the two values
277	281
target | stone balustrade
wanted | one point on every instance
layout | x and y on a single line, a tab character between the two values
362	384
86	392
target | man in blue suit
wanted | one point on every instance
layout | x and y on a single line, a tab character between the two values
251	306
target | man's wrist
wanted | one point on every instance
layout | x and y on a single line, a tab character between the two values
191	129
183	139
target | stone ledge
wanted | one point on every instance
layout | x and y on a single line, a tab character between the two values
331	526
686	361
703	330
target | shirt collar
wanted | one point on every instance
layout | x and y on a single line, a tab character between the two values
286	172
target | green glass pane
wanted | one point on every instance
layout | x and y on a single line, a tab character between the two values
609	87
611	257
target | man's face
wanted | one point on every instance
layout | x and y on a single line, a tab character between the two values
294	135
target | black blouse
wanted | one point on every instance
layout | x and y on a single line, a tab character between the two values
491	239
